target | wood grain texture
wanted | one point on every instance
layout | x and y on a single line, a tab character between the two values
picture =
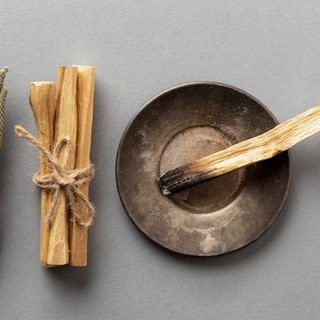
65	126
42	100
85	97
262	147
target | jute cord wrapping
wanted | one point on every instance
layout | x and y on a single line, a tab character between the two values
3	95
62	181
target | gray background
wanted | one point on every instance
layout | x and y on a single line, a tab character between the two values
268	48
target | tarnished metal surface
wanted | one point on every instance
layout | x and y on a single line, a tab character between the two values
178	126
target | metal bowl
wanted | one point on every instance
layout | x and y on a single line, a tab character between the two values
178	126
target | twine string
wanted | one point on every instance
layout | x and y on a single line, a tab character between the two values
3	95
62	181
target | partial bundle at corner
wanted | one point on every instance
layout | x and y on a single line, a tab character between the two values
3	95
63	114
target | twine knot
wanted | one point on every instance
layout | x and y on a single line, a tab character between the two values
62	181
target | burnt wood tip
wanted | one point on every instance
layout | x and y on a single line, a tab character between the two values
181	178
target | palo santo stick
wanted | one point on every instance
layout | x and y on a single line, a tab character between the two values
65	126
85	96
247	152
42	100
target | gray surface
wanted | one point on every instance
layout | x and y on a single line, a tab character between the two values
270	49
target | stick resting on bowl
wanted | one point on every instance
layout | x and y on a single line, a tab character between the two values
262	147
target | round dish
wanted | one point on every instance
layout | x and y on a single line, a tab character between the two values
180	125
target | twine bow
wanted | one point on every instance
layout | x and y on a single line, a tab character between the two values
62	180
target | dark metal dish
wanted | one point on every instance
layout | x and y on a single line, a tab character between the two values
178	126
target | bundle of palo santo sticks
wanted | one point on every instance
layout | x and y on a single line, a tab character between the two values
63	114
